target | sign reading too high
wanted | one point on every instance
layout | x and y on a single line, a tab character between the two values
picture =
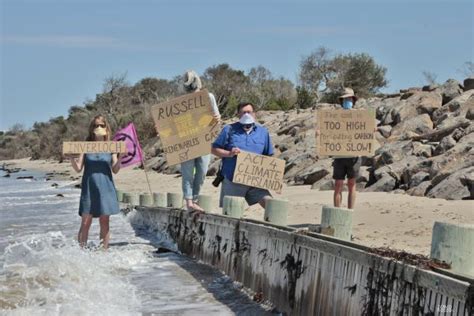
259	171
186	126
346	132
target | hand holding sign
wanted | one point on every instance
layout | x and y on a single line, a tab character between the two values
234	151
259	171
345	132
186	126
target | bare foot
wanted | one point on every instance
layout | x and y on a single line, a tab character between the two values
197	208
190	205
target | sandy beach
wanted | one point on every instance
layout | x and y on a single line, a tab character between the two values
397	221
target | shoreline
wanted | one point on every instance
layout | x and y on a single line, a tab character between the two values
397	221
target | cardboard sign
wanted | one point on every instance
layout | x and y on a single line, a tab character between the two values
186	126
259	171
346	132
94	147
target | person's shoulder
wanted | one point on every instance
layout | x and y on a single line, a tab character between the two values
262	128
233	125
228	127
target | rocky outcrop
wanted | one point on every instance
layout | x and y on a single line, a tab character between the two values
425	139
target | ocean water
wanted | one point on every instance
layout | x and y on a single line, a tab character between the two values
43	271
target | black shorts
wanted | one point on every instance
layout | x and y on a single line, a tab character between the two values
346	167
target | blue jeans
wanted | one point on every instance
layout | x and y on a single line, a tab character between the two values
193	174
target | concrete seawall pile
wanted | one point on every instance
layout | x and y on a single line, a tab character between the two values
310	274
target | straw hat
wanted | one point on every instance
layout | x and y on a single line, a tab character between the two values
191	81
348	93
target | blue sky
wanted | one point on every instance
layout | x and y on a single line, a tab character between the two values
56	54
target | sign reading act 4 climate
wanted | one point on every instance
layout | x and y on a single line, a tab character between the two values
186	126
346	132
259	171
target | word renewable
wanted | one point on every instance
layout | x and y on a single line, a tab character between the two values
259	171
346	133
94	147
186	126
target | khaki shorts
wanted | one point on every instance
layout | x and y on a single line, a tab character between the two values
251	194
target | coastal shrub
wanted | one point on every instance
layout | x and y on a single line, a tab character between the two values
324	75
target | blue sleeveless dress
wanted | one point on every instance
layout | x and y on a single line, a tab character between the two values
98	195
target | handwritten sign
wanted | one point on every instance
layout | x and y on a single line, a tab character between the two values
259	171
186	126
346	132
94	147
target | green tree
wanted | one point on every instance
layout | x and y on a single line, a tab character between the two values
304	98
224	81
324	75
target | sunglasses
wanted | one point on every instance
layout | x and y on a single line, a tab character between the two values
247	126
99	125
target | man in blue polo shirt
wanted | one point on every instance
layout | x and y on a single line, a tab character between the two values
248	136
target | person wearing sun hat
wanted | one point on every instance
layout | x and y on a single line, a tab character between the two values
194	171
247	135
347	166
347	99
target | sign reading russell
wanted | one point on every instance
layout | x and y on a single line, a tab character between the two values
186	126
259	171
346	132
94	147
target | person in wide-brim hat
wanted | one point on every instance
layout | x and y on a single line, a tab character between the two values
348	93
194	171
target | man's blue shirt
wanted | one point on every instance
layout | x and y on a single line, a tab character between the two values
233	135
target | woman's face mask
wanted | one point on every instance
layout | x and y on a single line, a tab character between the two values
100	131
347	104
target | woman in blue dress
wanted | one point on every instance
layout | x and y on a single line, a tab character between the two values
98	194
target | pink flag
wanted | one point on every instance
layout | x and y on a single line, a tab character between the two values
129	136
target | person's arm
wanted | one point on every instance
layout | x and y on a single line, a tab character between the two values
223	153
78	164
268	151
218	146
215	108
116	163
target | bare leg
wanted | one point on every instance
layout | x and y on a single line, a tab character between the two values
189	204
104	231
83	234
338	192
351	198
263	201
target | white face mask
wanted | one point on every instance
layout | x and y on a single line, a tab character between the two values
100	131
247	119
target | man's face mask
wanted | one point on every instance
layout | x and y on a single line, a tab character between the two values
347	104
100	131
247	120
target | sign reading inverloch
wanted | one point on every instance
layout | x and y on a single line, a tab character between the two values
94	147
